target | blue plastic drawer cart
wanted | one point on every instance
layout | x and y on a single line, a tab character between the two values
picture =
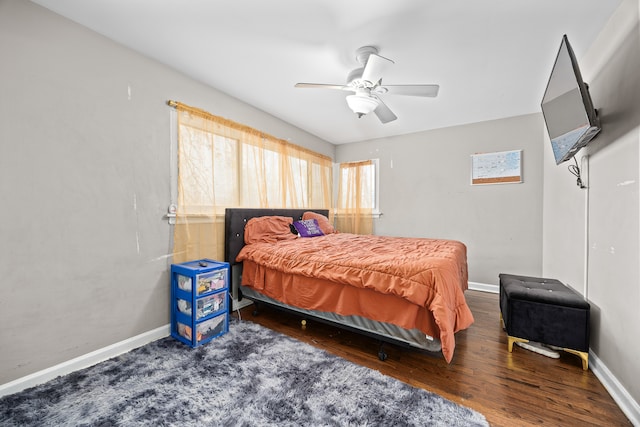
199	301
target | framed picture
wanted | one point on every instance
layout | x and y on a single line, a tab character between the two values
503	167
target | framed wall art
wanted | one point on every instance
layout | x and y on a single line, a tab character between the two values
503	167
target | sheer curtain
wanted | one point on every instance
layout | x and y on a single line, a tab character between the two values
356	197
224	164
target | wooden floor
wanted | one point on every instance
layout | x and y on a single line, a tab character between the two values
509	389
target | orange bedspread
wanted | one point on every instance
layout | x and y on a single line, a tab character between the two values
428	274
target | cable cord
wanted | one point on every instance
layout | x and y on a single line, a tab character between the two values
575	170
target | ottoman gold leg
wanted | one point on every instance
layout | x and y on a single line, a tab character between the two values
511	340
583	355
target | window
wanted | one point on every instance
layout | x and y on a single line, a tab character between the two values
207	169
360	180
357	201
224	164
237	170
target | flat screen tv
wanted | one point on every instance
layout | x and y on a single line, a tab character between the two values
567	108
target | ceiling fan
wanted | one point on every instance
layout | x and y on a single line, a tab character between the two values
366	83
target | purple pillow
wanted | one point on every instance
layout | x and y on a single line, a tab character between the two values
308	228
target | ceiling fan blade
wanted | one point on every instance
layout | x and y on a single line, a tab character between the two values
383	112
413	90
323	86
375	67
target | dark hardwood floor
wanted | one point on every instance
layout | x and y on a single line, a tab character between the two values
521	388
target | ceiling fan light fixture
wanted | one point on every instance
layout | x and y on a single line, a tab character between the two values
362	104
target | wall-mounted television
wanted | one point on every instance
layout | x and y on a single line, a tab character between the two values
567	108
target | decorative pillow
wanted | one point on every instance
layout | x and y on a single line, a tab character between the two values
323	221
268	229
308	228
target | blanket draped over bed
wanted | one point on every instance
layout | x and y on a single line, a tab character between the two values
413	274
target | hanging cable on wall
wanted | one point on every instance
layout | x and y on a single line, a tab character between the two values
575	170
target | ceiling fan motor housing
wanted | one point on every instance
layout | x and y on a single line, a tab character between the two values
354	78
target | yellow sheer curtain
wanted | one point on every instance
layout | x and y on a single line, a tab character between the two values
355	198
224	164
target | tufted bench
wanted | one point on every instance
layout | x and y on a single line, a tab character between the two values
545	311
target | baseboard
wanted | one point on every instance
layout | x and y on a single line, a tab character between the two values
84	361
620	395
484	287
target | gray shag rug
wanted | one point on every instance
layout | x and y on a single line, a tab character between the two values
251	376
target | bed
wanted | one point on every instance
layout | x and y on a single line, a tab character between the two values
406	291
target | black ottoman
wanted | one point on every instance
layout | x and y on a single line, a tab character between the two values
545	311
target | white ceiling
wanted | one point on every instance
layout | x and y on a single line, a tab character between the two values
491	58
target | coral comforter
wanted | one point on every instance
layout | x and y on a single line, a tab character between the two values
410	282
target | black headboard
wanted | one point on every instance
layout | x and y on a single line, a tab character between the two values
236	219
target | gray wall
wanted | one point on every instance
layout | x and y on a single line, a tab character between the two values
85	182
592	236
426	191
